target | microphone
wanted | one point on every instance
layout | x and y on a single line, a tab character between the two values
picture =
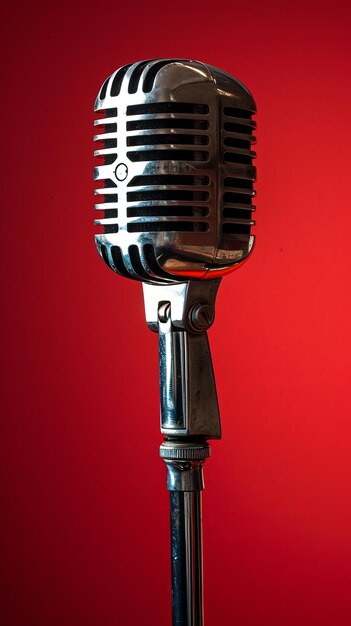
175	177
175	186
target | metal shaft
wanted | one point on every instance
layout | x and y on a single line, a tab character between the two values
184	461
186	551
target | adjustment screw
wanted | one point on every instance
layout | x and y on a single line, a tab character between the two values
201	316
164	311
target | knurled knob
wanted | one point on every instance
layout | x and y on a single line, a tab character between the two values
184	451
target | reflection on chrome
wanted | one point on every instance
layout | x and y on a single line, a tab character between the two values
175	175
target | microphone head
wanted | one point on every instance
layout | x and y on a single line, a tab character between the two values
175	176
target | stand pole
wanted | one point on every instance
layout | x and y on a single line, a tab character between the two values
184	463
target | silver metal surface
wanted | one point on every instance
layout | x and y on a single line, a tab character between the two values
186	551
175	174
175	180
184	463
189	405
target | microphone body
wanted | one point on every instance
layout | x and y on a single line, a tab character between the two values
175	139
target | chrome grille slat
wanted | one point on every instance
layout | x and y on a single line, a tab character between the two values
170	187
239	220
106	205
104	136
165	131
191	147
102	121
169	203
106	220
166	116
166	218
105	191
241	207
239	190
155	147
105	151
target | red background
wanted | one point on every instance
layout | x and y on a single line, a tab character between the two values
85	509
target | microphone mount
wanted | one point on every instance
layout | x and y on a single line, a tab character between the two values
181	313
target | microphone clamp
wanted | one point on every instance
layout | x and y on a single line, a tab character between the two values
181	313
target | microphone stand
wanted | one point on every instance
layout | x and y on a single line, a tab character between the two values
181	313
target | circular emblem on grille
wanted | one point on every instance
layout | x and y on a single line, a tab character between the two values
121	171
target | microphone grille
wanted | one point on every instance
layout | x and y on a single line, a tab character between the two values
169	214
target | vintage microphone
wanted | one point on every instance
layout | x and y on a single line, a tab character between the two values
175	188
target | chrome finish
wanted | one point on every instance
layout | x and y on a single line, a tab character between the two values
176	168
185	482
175	187
181	313
184	463
177	450
183	298
186	552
